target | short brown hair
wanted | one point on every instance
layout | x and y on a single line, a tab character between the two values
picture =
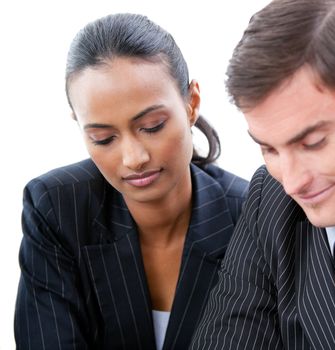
280	39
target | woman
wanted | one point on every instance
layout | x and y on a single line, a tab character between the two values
120	251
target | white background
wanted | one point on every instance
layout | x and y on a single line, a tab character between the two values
37	133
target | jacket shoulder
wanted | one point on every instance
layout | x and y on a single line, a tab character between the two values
267	201
75	173
79	182
64	201
271	216
232	185
233	188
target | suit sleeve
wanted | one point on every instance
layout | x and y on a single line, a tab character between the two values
50	312
241	312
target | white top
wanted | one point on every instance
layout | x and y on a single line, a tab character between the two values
331	237
161	320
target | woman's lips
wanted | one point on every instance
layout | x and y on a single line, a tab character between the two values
143	179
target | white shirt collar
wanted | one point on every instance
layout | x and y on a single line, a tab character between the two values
331	237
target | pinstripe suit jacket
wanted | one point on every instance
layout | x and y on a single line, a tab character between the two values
83	284
276	285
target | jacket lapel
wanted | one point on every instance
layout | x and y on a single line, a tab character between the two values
116	268
315	287
206	241
117	274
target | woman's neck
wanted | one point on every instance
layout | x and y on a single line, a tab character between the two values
161	221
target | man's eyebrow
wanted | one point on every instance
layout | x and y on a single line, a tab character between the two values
135	117
261	143
300	136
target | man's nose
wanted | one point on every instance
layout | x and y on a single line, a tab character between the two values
295	174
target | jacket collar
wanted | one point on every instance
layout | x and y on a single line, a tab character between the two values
211	217
210	214
209	232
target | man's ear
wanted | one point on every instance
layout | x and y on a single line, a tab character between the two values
193	103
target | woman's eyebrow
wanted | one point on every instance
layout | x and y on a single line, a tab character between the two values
135	117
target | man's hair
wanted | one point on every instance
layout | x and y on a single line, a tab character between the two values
281	38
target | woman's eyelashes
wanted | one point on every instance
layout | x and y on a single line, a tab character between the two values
108	140
105	141
154	128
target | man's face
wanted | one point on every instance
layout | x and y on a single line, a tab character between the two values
295	128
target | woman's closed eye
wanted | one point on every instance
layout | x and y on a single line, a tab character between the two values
103	142
154	128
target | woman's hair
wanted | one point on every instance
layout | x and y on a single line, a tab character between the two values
132	35
281	38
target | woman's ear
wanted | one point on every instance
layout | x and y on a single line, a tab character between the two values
193	103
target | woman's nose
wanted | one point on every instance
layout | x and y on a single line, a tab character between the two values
134	154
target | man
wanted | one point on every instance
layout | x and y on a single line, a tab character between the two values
276	287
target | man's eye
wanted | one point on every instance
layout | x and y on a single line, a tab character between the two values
315	145
268	150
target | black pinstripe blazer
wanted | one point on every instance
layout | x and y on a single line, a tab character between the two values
276	286
83	284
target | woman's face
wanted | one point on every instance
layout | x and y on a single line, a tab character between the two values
137	127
